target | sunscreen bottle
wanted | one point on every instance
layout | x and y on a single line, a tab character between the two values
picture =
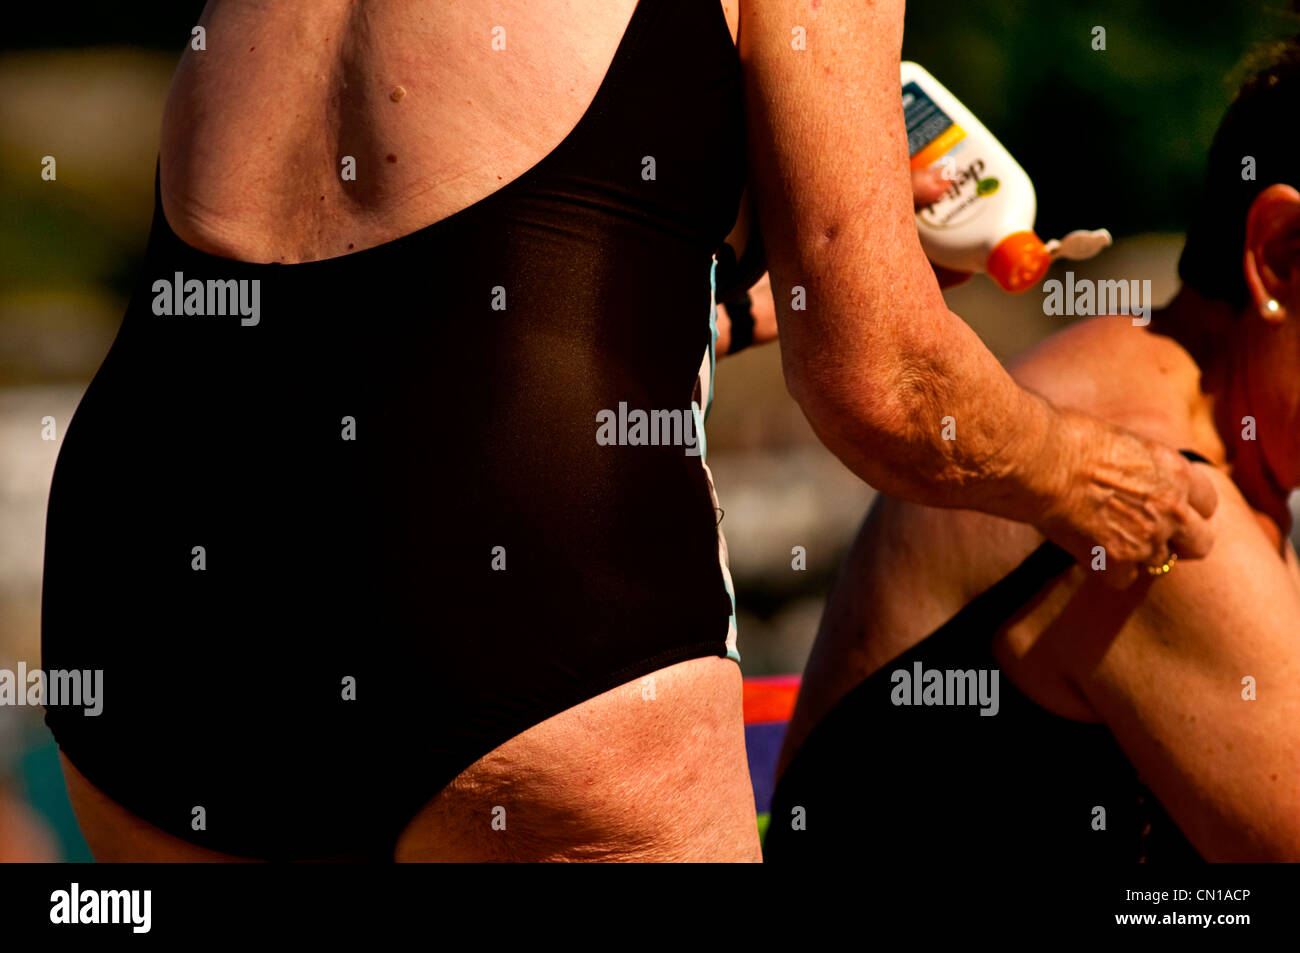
985	221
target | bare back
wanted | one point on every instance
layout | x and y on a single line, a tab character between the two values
438	104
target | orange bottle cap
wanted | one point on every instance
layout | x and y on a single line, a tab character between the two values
1019	262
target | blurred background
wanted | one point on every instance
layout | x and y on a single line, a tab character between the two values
1113	139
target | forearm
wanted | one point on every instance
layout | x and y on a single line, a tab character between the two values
883	370
922	411
893	382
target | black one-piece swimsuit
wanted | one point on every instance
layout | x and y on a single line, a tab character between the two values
331	546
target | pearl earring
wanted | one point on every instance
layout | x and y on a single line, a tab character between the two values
1271	306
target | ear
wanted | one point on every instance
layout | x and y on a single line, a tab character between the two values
1271	260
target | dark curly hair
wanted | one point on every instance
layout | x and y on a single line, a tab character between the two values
1260	123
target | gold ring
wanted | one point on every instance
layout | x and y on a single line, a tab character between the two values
1163	568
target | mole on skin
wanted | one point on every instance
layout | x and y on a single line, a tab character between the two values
397	93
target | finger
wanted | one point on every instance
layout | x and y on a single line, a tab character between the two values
928	185
1201	493
1119	575
1112	573
1159	555
1194	539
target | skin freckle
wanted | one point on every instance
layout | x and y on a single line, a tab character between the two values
391	157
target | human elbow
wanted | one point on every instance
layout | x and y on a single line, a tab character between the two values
857	400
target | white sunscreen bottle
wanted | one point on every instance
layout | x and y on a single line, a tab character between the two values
985	221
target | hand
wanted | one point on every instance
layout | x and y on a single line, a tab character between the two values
927	186
763	310
1137	499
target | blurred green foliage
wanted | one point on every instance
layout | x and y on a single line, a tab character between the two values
1114	138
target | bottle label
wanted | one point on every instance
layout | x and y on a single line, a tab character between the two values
932	136
930	131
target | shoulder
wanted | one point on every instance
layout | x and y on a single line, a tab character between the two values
1243	584
1236	610
1108	349
1119	372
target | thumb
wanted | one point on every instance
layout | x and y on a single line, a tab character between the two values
928	185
